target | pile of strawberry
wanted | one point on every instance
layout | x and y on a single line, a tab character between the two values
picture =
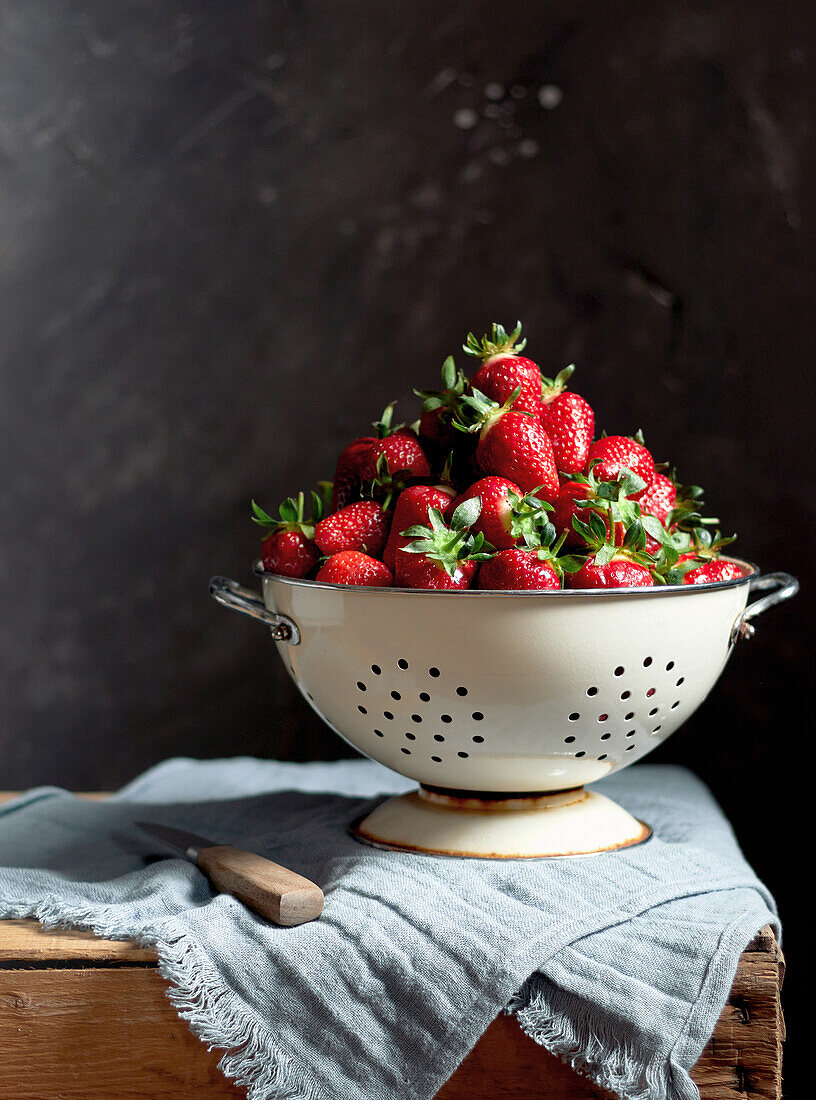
500	484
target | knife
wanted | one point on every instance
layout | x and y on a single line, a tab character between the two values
272	891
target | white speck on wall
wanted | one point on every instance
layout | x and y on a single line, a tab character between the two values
550	96
471	172
528	148
465	118
494	91
499	156
275	61
267	195
492	110
443	79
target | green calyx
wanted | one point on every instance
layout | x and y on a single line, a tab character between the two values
292	512
385	425
453	383
529	520
551	387
385	485
561	563
475	410
498	342
450	545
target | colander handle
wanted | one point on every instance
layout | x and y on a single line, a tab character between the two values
782	587
232	594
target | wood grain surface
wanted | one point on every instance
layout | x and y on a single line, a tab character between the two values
82	1016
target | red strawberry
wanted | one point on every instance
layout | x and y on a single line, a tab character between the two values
508	517
614	453
518	568
288	553
353	567
289	549
659	498
619	572
503	370
441	555
511	444
362	525
348	474
569	422
400	453
565	509
712	571
412	507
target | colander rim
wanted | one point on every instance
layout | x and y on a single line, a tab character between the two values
751	572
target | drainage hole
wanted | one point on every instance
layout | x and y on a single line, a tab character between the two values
653	712
406	751
675	705
574	716
647	661
602	717
379	733
669	666
376	670
433	672
387	714
425	697
446	717
602	756
682	680
628	748
396	695
592	691
362	710
631	733
625	694
438	737
402	663
411	736
416	718
650	692
361	685
477	739
656	729
464	755
477	716
437	759
619	671
628	717
461	691
579	754
568	740
605	736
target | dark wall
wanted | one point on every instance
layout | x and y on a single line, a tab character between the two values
231	232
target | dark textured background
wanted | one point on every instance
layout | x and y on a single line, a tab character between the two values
232	231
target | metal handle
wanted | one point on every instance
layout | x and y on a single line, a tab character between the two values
232	594
781	586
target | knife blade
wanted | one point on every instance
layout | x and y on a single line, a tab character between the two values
272	891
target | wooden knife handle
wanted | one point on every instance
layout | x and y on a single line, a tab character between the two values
272	891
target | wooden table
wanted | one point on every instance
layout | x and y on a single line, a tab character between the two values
84	1017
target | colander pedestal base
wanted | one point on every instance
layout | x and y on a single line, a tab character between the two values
537	826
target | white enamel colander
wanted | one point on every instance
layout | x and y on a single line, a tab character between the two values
503	705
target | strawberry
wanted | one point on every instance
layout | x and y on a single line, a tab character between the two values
569	422
289	549
507	515
609	500
393	458
348	474
713	571
412	507
443	556
566	508
362	525
619	572
438	407
614	453
511	444
354	567
518	568
503	370
659	498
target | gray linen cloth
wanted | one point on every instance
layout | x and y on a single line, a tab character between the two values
618	963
